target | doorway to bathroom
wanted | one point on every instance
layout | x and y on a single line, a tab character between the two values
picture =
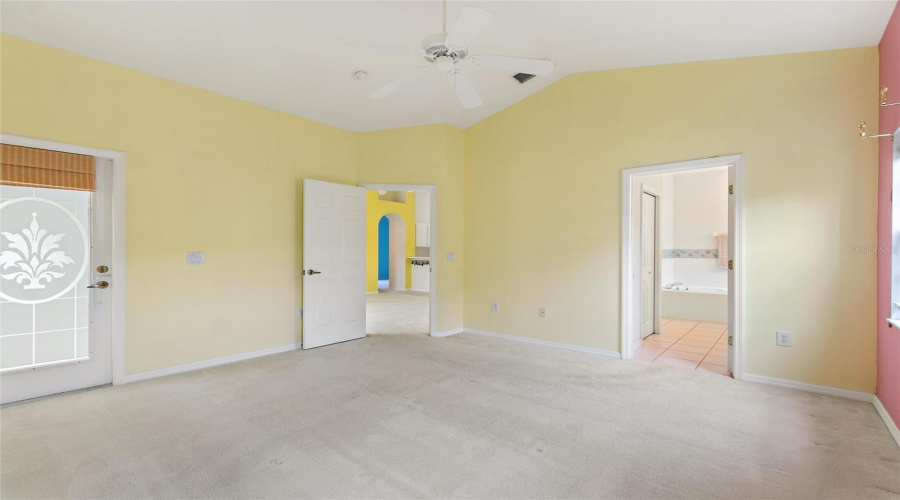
681	264
399	249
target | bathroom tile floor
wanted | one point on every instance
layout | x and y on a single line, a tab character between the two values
689	344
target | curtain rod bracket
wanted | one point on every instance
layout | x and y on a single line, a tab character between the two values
884	102
864	135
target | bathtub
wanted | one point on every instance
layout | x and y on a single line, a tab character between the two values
698	303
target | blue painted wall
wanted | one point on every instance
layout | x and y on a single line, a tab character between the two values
384	248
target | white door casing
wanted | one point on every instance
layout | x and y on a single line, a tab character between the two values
733	233
334	263
80	316
648	263
630	296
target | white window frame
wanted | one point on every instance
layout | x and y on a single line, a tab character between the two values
894	319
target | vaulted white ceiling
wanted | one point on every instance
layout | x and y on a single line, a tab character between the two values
285	55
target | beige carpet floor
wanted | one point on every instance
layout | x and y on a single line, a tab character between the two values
465	416
393	311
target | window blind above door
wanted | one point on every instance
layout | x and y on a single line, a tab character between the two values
42	168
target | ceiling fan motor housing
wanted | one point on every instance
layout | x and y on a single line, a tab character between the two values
434	47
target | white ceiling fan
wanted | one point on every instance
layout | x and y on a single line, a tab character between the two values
445	50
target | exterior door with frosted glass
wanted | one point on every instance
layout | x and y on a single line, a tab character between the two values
54	329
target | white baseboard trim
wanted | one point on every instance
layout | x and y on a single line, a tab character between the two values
372	293
547	343
888	421
447	333
803	386
209	363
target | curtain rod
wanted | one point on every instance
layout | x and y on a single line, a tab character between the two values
883	103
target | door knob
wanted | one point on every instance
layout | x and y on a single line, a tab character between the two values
311	272
100	284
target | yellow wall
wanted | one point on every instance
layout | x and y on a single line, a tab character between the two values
535	191
211	173
205	172
546	173
427	155
375	210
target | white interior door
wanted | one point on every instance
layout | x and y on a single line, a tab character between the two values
55	332
648	263
334	263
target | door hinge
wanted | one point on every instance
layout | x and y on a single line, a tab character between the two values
730	340
731	189
730	264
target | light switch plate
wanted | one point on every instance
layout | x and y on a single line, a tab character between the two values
450	257
195	258
783	338
495	306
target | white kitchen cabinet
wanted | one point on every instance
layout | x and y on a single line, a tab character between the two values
423	235
421	274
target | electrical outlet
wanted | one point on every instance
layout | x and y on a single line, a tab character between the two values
542	312
783	338
450	256
495	306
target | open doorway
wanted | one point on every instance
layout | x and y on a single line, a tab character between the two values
399	243
681	239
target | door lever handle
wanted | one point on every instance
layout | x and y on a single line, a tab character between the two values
100	284
311	272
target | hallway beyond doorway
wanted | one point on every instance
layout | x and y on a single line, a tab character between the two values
394	311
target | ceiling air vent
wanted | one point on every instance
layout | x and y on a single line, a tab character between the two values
523	77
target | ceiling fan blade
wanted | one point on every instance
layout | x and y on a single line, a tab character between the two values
379	46
466	93
392	87
540	67
470	22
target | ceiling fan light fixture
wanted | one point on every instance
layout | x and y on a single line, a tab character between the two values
444	63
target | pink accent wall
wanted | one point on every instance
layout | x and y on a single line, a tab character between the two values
888	386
